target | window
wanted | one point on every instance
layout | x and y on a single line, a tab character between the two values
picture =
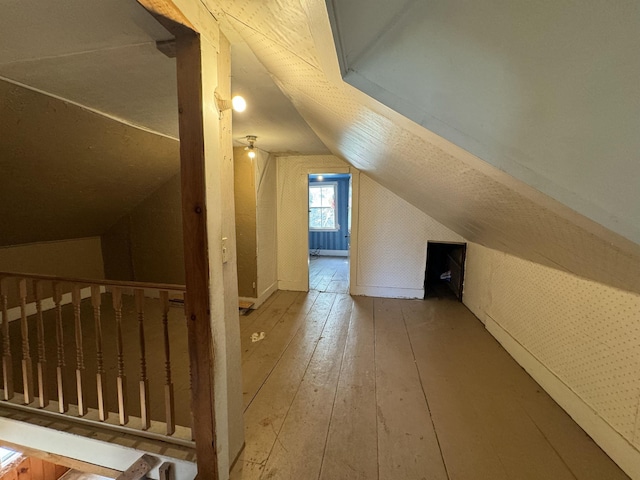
322	206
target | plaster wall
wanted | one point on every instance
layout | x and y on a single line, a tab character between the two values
578	338
391	252
293	216
266	225
146	244
223	288
80	258
245	203
389	236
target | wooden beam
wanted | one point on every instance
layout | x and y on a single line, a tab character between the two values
196	256
166	9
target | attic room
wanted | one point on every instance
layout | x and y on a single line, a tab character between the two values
135	222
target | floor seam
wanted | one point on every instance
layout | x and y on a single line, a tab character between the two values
424	393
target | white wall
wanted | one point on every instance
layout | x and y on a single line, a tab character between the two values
266	227
579	339
80	257
223	277
292	221
389	236
392	243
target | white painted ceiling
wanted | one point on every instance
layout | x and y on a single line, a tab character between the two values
549	92
45	44
101	54
293	39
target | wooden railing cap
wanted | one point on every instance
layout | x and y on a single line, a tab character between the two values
95	281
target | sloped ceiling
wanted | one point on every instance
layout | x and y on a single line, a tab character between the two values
67	172
96	129
294	41
546	91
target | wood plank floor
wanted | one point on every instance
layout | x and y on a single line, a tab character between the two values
368	388
329	274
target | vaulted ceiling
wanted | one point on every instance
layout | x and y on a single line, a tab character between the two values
443	177
462	118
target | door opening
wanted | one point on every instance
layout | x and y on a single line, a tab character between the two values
444	276
329	231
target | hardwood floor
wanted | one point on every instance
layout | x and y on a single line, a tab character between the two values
369	388
329	274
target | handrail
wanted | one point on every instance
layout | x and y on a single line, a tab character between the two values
148	308
97	281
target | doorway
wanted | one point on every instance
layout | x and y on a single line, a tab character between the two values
329	231
444	275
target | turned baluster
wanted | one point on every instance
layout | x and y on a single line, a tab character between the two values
116	293
7	364
76	299
169	403
186	313
43	393
100	375
144	380
27	366
63	405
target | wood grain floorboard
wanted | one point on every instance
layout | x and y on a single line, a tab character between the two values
266	353
265	415
305	429
407	442
403	389
352	447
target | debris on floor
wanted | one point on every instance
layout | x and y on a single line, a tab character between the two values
256	337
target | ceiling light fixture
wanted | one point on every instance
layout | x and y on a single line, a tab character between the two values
238	103
251	149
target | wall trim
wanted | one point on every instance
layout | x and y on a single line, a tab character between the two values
262	298
88	450
387	292
615	445
292	286
330	253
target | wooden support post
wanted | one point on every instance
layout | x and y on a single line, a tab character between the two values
7	362
43	394
194	221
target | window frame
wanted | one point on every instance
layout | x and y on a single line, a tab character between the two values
334	185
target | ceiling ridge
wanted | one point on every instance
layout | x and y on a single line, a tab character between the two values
78	53
89	109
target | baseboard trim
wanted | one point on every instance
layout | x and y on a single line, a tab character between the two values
267	293
330	253
615	445
262	298
293	286
387	292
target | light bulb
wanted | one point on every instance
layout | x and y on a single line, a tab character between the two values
239	103
252	154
